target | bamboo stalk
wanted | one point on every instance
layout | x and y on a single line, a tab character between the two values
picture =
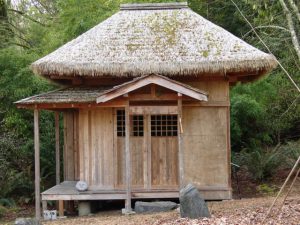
281	189
290	188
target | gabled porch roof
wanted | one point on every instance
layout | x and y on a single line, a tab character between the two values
159	80
104	94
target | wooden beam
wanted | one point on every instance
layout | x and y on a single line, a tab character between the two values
150	97
61	208
77	81
60	204
117	103
153	79
127	160
180	142
228	148
44	205
153	90
207	104
37	165
146	149
153	110
57	152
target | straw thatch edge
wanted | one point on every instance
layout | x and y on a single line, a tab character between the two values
91	69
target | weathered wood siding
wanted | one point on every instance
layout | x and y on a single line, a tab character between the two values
164	162
70	153
96	148
206	140
137	162
94	153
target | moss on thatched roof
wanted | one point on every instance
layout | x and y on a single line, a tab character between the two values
168	39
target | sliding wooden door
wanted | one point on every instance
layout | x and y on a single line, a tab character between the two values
164	152
153	151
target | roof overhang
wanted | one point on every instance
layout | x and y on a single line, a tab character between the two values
76	97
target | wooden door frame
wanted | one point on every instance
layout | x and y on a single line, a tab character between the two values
147	143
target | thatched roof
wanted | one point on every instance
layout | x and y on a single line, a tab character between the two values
169	39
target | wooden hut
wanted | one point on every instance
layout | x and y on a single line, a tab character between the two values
145	102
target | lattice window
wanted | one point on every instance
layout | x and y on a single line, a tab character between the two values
164	125
121	123
137	125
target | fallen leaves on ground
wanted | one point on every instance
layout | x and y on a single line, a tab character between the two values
233	212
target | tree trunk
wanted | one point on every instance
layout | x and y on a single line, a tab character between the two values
295	8
289	18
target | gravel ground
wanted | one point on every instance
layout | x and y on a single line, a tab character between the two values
245	211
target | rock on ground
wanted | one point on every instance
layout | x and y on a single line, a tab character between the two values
191	204
25	221
149	207
81	186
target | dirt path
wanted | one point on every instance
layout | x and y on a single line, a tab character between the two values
246	211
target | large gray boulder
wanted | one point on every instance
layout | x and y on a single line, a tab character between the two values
26	221
191	204
150	207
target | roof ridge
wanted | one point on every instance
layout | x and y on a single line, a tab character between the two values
154	6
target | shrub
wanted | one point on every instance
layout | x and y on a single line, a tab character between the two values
7	202
290	153
3	211
260	163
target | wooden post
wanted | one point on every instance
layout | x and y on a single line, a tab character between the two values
128	208
44	205
57	153
59	204
180	149
37	165
61	208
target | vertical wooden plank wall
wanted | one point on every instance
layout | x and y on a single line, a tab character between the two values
96	151
207	141
69	145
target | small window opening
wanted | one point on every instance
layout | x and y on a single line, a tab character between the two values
121	123
137	125
163	125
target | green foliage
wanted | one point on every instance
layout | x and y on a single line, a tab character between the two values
16	145
290	153
3	211
261	163
265	189
263	114
7	202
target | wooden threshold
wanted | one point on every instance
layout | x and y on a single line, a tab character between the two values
66	191
110	196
